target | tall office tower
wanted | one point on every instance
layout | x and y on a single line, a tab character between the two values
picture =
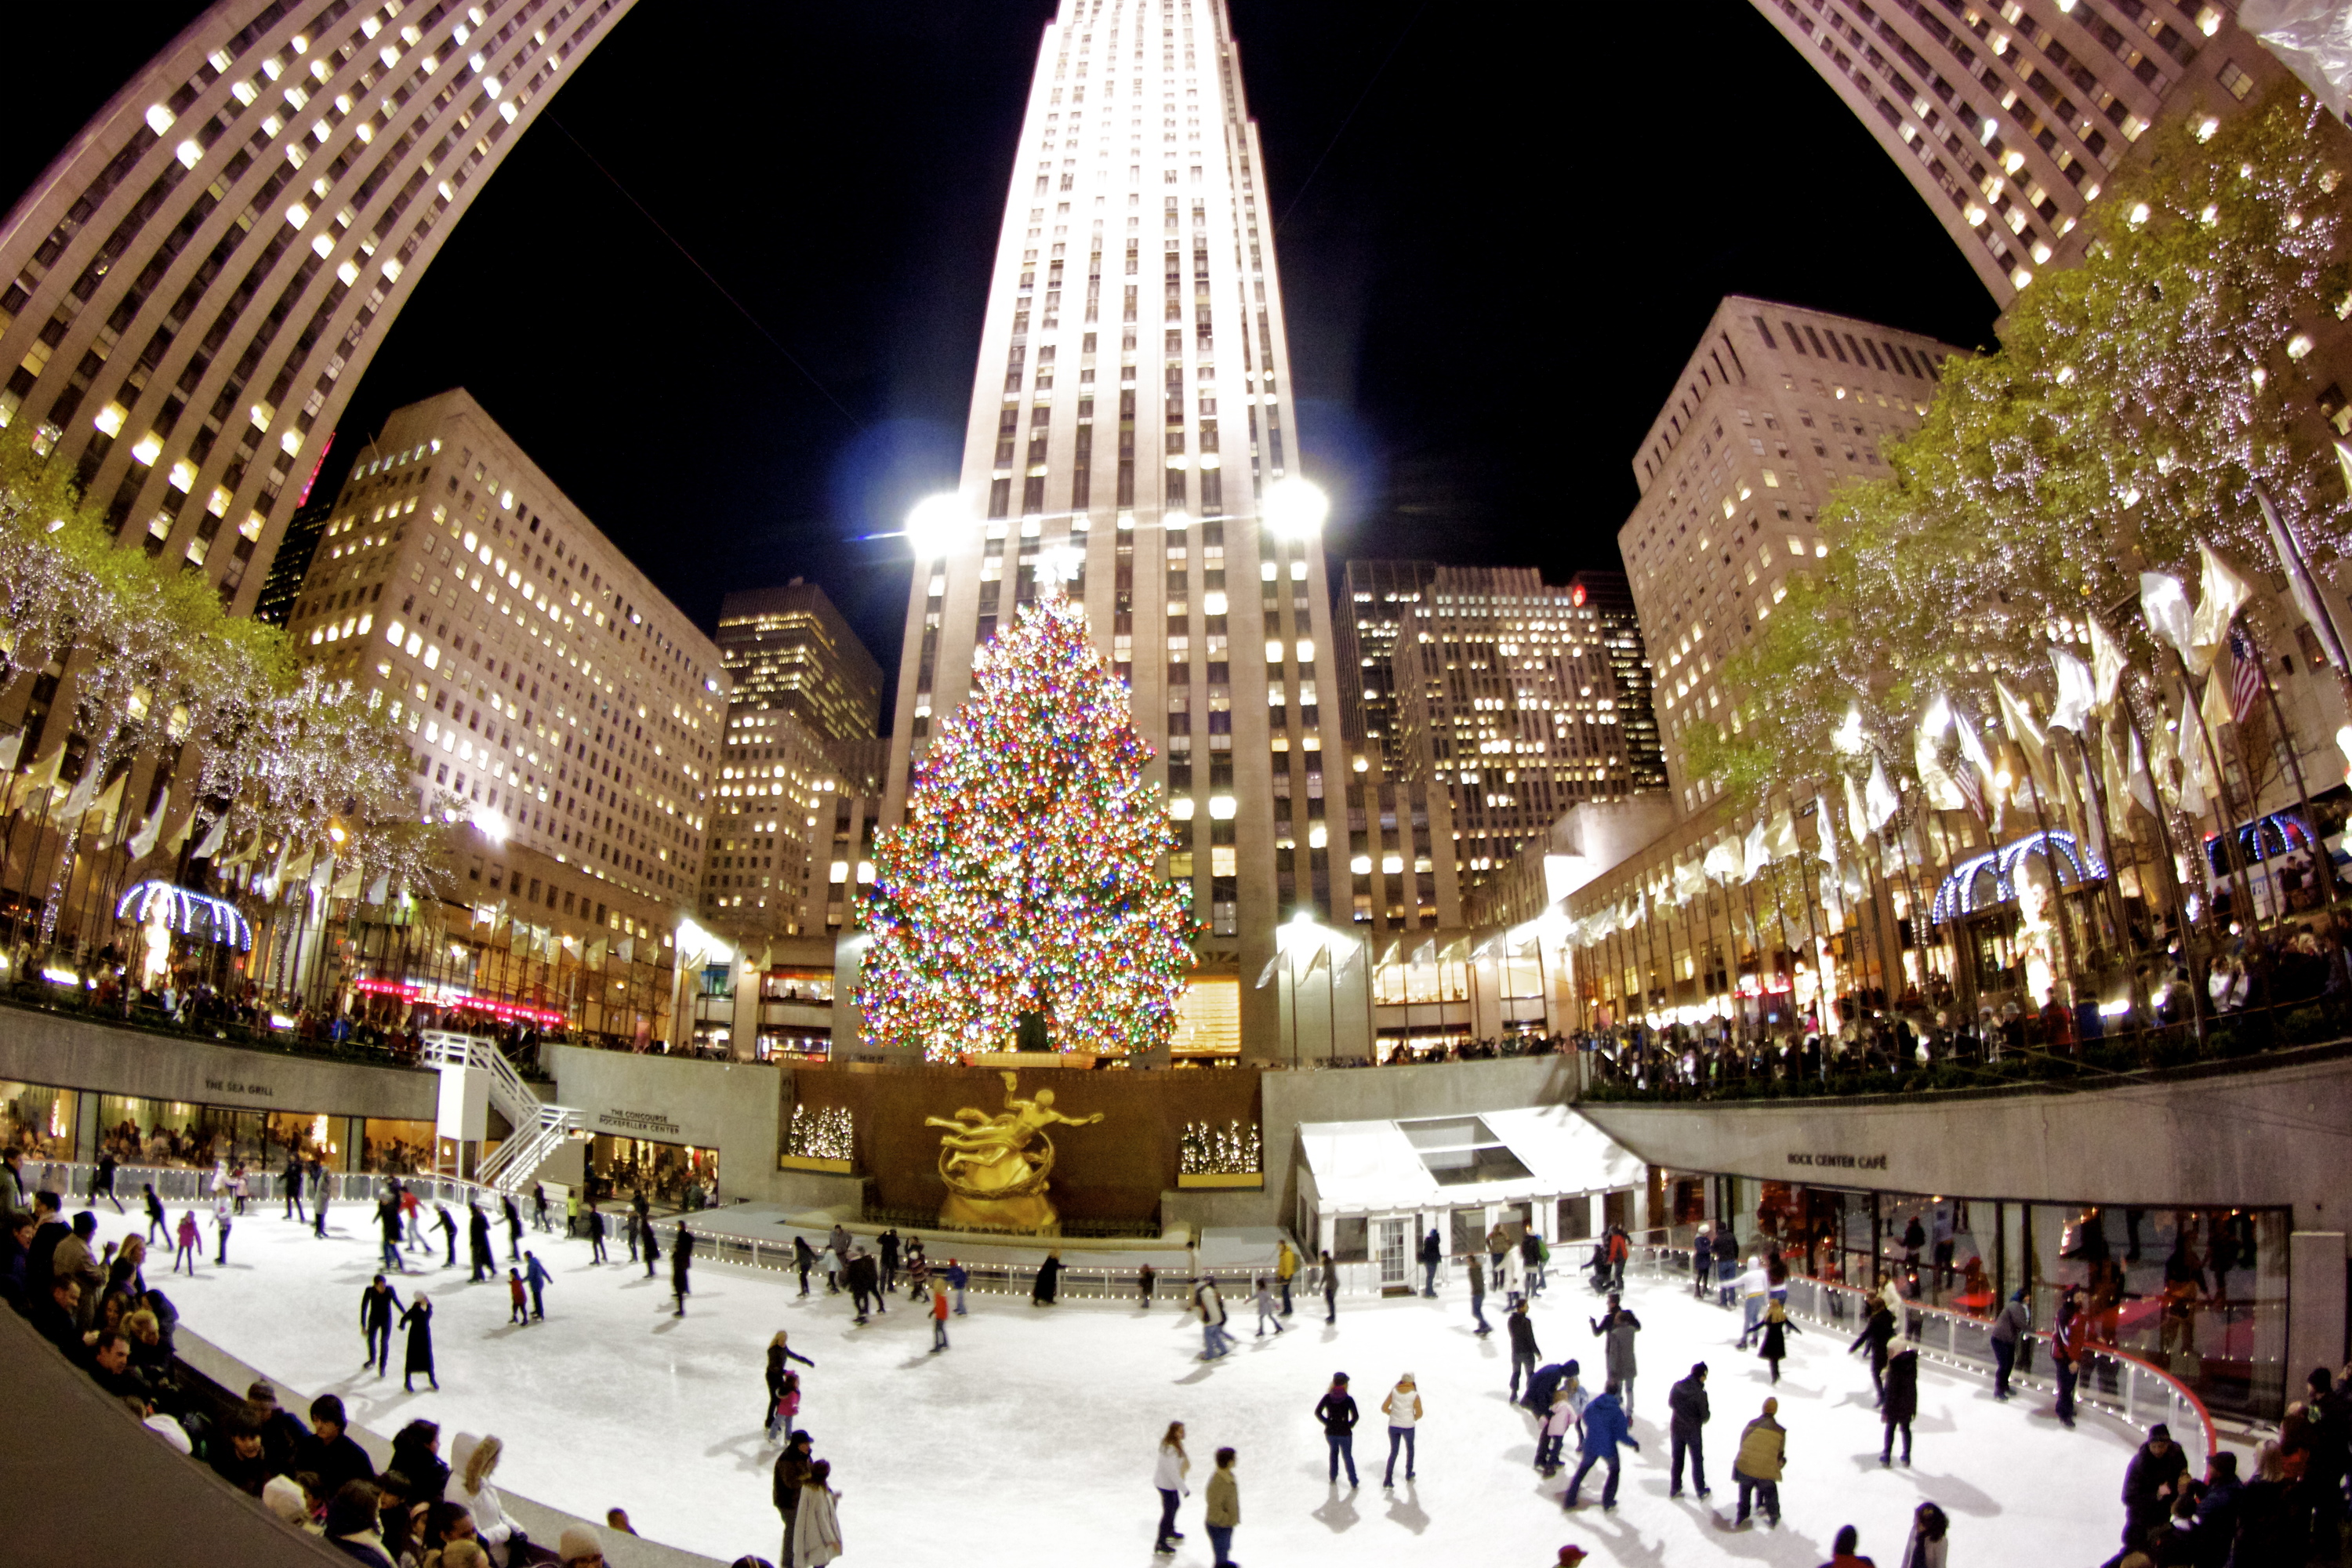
289	568
2010	115
1134	343
1611	598
544	681
1489	705
788	650
188	293
1775	405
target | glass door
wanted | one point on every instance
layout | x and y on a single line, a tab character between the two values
1389	1248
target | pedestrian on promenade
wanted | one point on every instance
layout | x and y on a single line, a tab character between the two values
1687	1401
1336	1410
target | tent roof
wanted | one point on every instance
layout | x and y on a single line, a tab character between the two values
1374	1166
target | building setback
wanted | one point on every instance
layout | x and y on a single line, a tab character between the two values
1774	406
788	649
190	291
1482	703
1131	413
541	678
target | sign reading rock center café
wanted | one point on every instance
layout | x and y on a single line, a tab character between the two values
1839	1162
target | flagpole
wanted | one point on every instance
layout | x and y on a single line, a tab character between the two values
2168	860
2320	856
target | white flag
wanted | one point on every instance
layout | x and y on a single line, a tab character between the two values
213	839
1879	798
2221	594
2165	603
2077	693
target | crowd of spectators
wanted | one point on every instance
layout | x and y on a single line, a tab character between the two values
94	1304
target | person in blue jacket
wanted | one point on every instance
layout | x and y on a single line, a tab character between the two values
1605	1426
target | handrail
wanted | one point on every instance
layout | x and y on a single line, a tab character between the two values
1964	1343
538	1127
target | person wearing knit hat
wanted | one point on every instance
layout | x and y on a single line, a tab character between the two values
1902	1401
281	1497
580	1547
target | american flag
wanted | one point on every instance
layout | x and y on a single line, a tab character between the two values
2245	675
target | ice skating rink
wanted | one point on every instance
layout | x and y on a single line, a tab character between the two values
1031	1439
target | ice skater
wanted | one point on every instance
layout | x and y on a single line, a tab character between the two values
1168	1478
514	1228
222	1205
378	1302
1048	1283
651	1248
594	1218
419	1321
1144	1275
1285	1268
1403	1407
1777	1328
485	1249
156	1219
803	1260
1478	1297
1569	1399
779	1420
681	1261
1267	1311
191	1238
536	1277
1524	1353
1606	1427
1331	1290
449	1227
939	1317
538	1204
1877	1329
958	1277
1211	1305
517	1312
1687	1401
1617	1328
387	1215
1763	1452
1754	1287
1902	1401
1336	1410
320	1185
101	1182
293	1182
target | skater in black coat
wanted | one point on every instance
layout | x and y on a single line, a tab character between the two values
652	1248
681	1259
803	1260
418	1320
448	1225
1902	1401
1049	1281
595	1217
1777	1328
1876	1331
486	1250
514	1229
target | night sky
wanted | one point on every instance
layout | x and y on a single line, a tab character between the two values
1498	237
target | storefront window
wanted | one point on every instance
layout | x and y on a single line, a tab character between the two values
812	987
142	1132
677	1175
396	1148
37	1120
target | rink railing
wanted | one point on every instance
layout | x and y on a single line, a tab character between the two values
2116	1381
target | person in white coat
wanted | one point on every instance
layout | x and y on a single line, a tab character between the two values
1754	1287
471	1460
1403	1407
1168	1476
816	1529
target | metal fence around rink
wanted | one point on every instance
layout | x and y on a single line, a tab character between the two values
2111	1380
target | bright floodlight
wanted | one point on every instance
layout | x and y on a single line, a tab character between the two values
1296	508
932	526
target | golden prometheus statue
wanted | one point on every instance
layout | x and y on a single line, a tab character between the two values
995	1178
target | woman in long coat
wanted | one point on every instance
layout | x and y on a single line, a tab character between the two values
418	1320
1902	1401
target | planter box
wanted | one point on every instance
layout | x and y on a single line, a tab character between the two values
810	1162
1239	1179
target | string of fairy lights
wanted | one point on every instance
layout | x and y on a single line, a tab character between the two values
1024	879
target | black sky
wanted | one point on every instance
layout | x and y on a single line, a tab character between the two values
1494	275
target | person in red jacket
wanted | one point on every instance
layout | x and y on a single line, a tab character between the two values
2067	1341
938	1314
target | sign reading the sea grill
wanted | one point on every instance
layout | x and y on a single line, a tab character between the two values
1840	1161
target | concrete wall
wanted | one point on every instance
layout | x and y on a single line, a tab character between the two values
2280	1136
732	1107
77	1053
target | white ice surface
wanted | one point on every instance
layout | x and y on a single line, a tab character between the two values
1031	1439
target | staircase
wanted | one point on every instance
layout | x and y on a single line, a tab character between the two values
539	1129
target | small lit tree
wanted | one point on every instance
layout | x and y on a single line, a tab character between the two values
1023	882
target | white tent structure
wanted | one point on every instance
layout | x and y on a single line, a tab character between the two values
1369	1191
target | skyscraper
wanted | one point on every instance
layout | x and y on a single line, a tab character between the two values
1774	406
543	681
1482	703
788	650
2010	116
1133	349
189	292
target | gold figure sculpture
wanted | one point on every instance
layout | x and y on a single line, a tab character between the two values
995	1166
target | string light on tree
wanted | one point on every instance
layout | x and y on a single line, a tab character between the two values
1023	882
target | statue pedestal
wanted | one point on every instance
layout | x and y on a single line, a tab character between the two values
1031	1214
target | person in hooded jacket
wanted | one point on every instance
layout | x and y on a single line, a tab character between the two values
1930	1532
2215	1523
472	1460
1900	1404
1763	1455
1605	1426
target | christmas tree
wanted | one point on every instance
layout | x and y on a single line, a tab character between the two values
1022	886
